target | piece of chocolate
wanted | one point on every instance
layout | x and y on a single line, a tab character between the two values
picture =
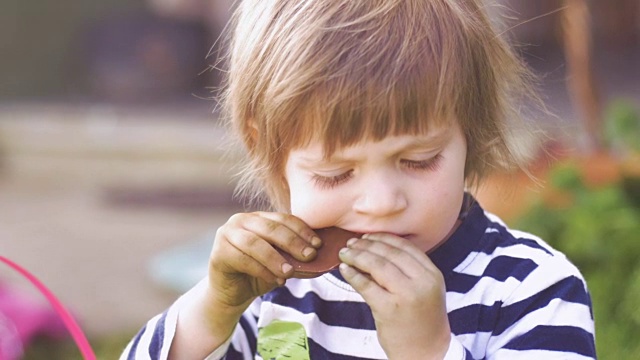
333	239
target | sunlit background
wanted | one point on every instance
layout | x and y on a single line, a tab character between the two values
115	170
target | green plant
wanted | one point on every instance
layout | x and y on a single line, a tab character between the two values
599	231
622	126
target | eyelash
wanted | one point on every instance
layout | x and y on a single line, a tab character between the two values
329	182
431	164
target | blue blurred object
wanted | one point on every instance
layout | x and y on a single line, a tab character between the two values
181	267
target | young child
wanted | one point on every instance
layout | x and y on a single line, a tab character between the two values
375	117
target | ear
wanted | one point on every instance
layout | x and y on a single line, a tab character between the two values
250	134
252	130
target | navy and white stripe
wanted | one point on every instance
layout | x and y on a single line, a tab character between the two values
509	296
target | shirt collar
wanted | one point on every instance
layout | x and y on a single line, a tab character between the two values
463	241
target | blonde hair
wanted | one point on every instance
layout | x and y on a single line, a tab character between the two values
340	71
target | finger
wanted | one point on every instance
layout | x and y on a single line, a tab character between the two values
404	244
427	271
404	258
296	225
277	234
255	254
383	271
362	283
248	266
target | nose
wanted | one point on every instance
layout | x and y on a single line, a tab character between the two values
381	196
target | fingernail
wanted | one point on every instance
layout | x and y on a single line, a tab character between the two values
286	267
316	242
351	241
306	252
343	251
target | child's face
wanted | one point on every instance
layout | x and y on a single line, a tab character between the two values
409	185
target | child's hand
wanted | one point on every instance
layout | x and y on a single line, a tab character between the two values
406	294
244	263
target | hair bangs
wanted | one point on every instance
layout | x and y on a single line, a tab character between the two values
376	85
346	116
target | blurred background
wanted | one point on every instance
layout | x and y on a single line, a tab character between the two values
114	169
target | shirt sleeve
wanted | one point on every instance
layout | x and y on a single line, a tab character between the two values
154	340
457	351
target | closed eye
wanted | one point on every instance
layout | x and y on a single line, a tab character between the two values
328	182
430	164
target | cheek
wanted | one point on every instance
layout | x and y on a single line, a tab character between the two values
441	200
317	208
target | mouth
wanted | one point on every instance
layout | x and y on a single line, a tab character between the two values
404	236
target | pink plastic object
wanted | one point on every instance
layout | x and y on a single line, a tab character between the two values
27	321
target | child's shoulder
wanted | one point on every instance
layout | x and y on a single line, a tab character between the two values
515	268
526	250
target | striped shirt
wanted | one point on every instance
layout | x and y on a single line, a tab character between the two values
509	295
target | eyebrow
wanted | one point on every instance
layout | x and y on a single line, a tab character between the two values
432	141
